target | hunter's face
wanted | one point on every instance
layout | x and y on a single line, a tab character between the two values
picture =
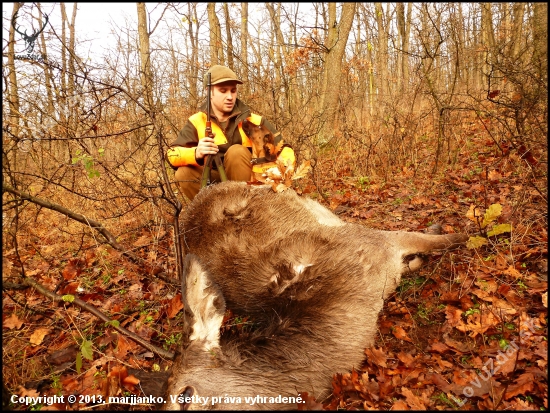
224	96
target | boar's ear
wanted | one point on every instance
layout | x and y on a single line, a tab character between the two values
204	300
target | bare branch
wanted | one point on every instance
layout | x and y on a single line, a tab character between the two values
91	309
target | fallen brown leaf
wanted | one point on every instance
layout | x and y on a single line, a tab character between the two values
457	345
399	333
407	359
12	322
38	335
174	306
412	399
453	315
400	405
309	402
376	356
439	347
522	385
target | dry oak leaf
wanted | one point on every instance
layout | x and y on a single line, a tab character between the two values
376	356
439	347
412	400
407	359
443	364
478	385
518	404
528	326
420	200
309	402
23	392
457	345
131	379
12	322
494	175
72	269
503	307
489	286
478	324
174	306
143	241
38	336
542	350
130	382
302	170
401	334
507	366
453	315
400	405
474	213
484	295
278	187
522	385
123	347
512	272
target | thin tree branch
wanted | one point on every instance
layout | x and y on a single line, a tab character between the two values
91	309
111	239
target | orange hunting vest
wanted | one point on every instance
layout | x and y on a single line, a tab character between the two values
199	122
181	156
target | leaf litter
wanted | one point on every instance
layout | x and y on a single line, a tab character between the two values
468	331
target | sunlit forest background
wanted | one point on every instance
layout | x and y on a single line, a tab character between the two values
382	98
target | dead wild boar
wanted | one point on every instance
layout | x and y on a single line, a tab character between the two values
312	284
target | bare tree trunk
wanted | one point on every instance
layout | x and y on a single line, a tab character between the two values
400	15
216	50
369	55
194	64
336	45
461	46
244	48
382	55
48	75
406	45
63	113
487	32
540	37
404	30
228	36
71	66
361	91
278	50
517	28
13	91
72	107
146	75
505	26
477	69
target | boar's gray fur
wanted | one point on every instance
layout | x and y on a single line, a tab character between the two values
312	284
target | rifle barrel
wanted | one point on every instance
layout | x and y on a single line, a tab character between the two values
209	88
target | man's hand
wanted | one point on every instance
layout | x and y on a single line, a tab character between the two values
206	146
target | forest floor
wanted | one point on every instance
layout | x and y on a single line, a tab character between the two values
468	331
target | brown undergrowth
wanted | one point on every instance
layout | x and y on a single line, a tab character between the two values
467	331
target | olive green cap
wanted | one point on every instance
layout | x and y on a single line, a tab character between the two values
220	74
